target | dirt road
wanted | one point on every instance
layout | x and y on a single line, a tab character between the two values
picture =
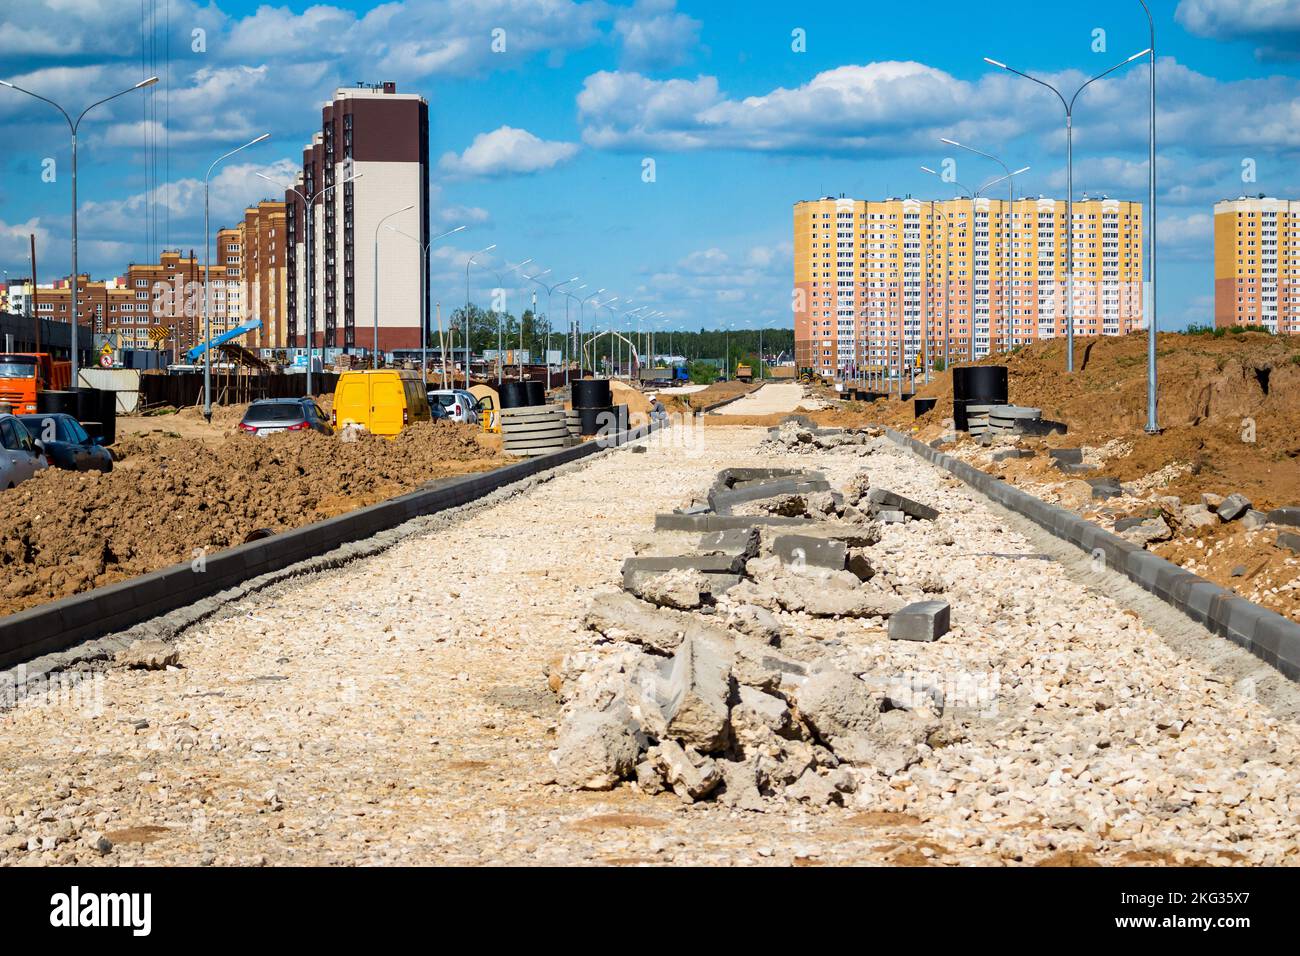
772	399
396	711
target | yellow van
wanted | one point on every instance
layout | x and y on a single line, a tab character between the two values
383	401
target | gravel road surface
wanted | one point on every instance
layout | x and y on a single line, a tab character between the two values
396	710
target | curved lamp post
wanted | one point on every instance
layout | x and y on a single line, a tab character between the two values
424	314
73	126
382	222
207	275
309	271
1069	162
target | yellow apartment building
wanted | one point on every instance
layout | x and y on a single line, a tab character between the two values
878	284
1257	263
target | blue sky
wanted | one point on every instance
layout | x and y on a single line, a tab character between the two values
541	148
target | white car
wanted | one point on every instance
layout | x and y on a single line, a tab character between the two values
459	404
21	456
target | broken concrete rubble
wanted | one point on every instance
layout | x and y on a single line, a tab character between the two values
597	749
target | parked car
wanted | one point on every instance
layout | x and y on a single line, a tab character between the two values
459	404
66	443
20	454
382	401
267	416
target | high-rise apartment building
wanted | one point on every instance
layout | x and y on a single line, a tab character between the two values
380	137
878	284
1257	263
266	278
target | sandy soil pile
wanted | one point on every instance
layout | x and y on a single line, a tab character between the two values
69	532
1212	390
717	392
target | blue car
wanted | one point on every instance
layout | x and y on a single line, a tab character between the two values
66	443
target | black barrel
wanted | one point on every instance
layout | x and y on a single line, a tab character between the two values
924	405
610	420
514	395
108	415
57	403
959	383
976	385
986	384
591	393
536	393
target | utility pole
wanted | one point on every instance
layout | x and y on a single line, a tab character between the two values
31	299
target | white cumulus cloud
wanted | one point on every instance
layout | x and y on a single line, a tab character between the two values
507	151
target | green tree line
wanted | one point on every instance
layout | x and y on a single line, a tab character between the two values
529	331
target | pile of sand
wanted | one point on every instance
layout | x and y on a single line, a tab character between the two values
68	532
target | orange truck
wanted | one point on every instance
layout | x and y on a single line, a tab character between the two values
23	375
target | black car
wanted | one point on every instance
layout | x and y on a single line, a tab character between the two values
66	443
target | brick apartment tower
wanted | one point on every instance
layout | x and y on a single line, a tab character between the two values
1257	264
382	136
874	281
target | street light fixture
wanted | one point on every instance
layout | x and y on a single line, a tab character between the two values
469	357
582	318
501	282
374	361
1069	161
73	126
310	271
1153	426
424	313
1010	179
207	276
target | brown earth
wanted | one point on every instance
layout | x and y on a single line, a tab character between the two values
169	497
717	392
1211	391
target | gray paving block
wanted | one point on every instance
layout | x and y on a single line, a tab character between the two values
706	563
878	500
1104	489
1289	516
735	541
712	522
723	500
1290	540
925	621
1069	456
1012	454
804	551
1234	507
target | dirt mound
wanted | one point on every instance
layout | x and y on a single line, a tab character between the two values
633	398
170	498
717	392
1229	407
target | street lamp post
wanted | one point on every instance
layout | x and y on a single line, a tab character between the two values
1069	162
468	324
73	126
424	314
1006	221
568	335
501	282
582	320
207	275
1153	426
947	290
309	272
375	359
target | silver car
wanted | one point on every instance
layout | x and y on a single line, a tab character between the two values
270	415
459	404
21	456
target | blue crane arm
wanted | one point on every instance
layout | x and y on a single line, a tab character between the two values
222	339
